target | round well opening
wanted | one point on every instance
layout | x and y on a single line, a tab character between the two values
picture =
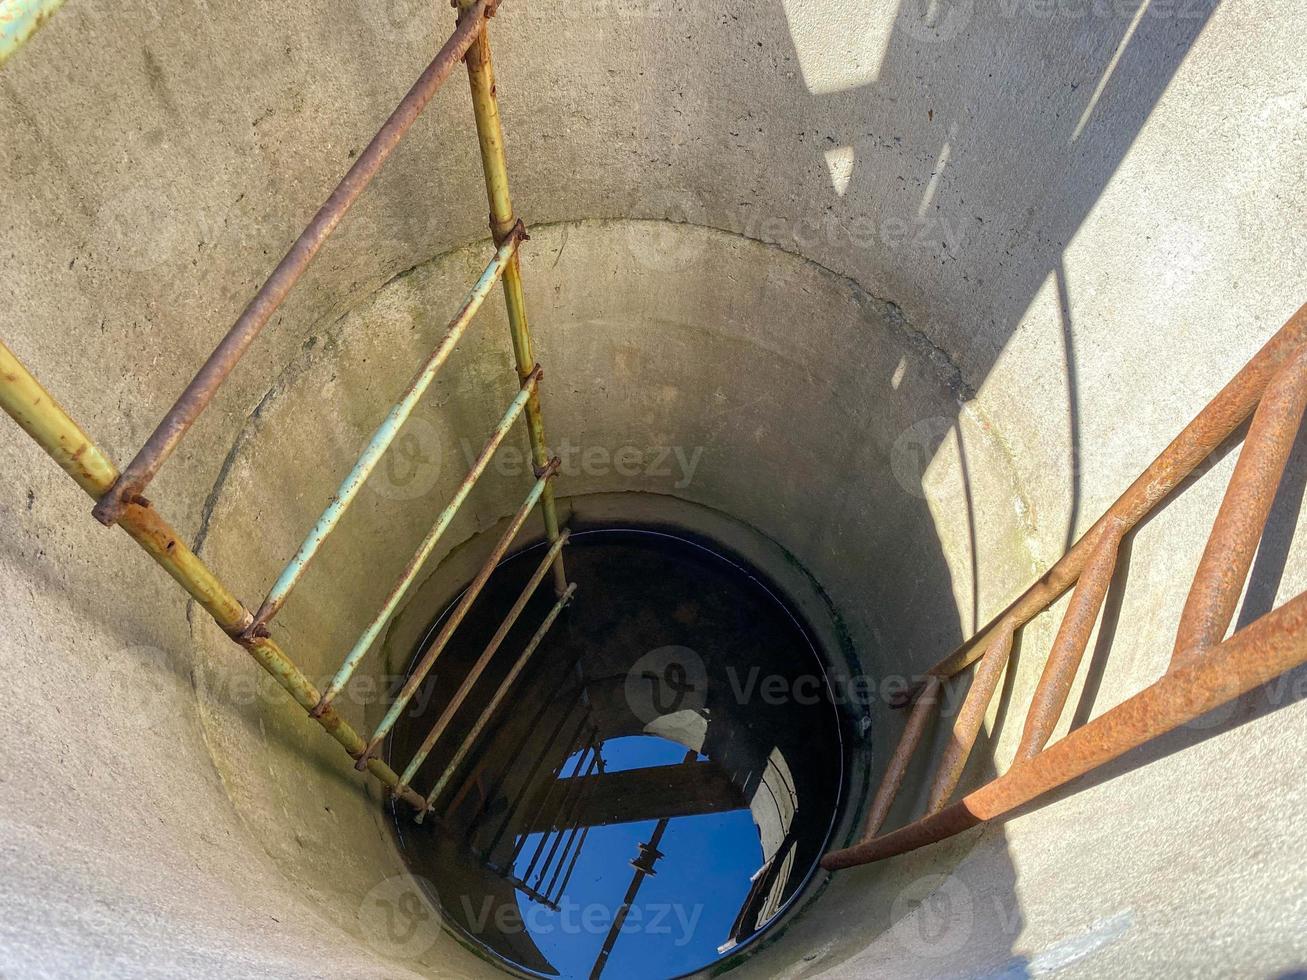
652	792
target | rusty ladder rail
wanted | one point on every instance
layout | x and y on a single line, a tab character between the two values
119	497
1204	672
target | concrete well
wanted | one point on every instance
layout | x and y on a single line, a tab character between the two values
893	303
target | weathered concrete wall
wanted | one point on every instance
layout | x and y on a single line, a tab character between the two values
701	395
1086	217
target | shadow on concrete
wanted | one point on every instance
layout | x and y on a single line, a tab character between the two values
1004	117
1268	570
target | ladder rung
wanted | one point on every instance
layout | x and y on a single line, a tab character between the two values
20	19
967	726
1272	388
1072	638
903	752
387	432
504	685
576	852
442	638
1241	519
588	792
544	746
574	748
414	566
195	399
572	807
1199	439
1256	655
474	674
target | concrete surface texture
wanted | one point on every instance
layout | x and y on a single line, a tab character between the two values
901	295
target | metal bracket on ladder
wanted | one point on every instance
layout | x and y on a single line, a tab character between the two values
119	497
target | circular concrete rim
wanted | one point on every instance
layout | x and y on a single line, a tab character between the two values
869	339
779	573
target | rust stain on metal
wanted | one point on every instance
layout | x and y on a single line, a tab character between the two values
967	726
1204	674
1256	655
1072	638
1211	427
1242	517
902	757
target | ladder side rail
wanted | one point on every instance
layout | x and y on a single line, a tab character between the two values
204	386
31	406
1254	656
490	136
1199	439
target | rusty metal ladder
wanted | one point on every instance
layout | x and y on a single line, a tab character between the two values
119	497
1206	670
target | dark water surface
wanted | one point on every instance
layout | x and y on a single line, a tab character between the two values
655	787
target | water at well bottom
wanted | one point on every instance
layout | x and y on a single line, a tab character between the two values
657	785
